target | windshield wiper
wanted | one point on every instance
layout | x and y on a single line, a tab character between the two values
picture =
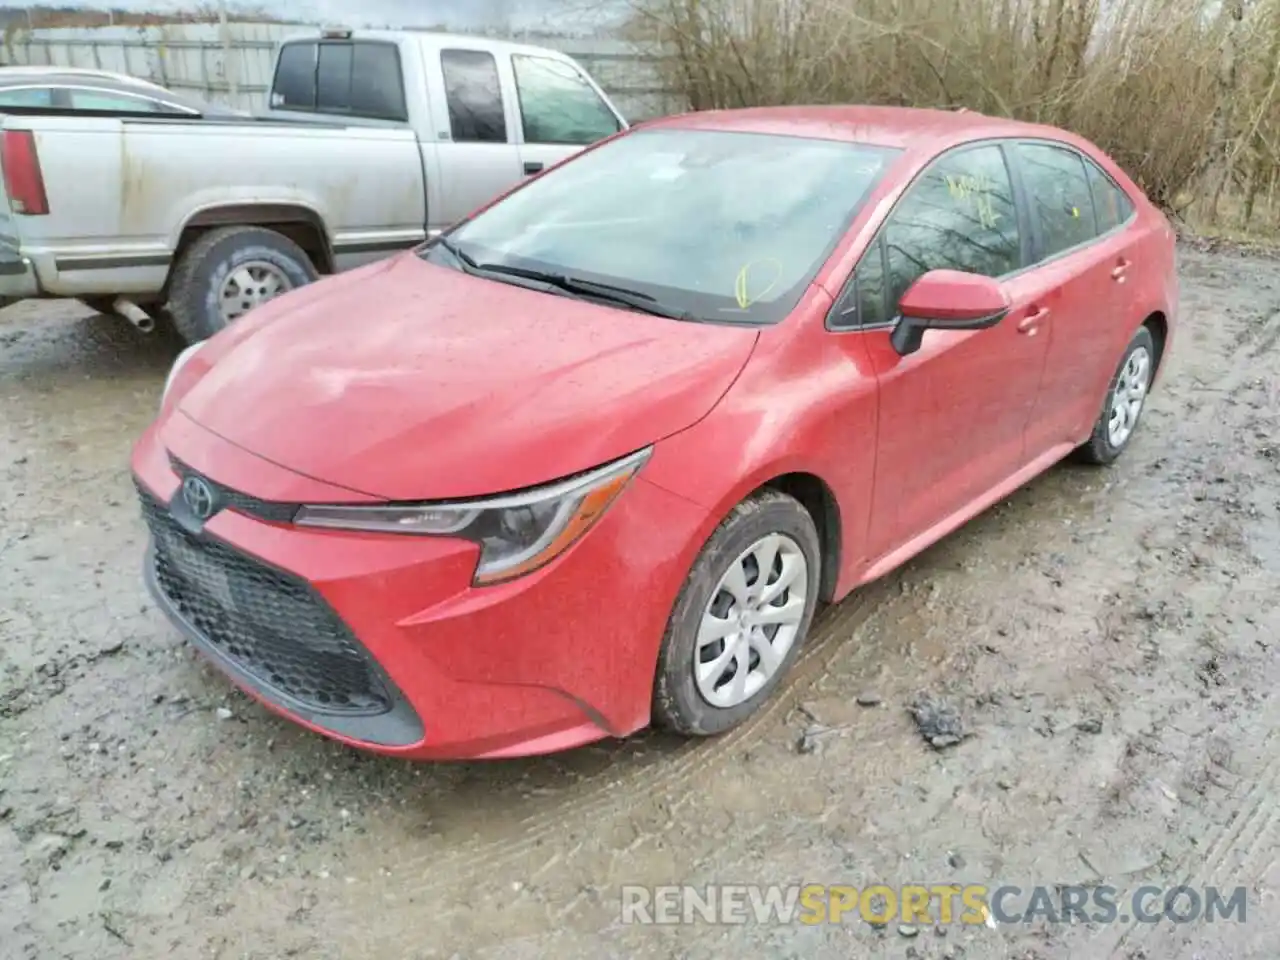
590	288
575	285
468	262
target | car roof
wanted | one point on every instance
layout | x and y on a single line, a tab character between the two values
25	73
107	82
911	129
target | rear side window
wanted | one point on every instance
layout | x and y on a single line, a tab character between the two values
1059	195
358	79
558	105
27	97
1110	204
116	102
476	112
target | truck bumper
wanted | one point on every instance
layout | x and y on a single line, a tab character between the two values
18	279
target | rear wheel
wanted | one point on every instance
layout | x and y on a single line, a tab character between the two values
741	617
229	271
1126	398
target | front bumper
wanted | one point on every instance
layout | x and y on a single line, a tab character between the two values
559	658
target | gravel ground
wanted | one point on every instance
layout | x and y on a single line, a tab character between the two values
1107	637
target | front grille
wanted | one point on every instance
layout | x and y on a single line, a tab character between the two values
272	626
272	511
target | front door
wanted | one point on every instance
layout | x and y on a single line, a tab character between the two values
560	111
953	415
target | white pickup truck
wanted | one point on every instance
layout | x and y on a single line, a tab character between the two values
372	142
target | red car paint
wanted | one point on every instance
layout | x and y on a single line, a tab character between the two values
408	381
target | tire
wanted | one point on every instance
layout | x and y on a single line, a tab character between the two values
679	704
1103	447
195	290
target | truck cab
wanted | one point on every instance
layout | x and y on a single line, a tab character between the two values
486	113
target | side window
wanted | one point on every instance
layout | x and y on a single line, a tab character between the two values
958	215
123	103
475	96
1110	204
865	305
26	97
558	105
294	87
1059	196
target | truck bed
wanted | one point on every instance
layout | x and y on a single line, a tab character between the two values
122	191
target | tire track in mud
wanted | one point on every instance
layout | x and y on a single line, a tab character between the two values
1252	820
612	793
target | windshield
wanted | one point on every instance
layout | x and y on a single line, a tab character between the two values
714	225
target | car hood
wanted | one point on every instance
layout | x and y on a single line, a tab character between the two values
410	381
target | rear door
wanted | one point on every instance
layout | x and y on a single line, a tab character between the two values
1083	251
478	154
561	110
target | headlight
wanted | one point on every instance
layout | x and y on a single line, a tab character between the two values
517	533
176	369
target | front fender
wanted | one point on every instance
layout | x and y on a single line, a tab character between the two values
821	424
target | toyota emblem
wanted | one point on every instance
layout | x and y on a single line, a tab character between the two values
198	497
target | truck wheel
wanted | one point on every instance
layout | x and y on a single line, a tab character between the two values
229	271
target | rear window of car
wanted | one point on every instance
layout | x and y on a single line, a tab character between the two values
354	79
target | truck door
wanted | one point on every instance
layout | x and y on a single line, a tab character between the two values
560	110
477	150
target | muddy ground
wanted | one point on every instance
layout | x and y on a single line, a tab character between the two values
1111	638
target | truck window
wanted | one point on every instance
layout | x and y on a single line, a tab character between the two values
558	105
377	82
333	77
295	82
355	79
475	96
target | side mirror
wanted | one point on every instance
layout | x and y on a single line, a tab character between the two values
947	300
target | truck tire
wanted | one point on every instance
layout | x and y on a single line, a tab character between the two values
229	271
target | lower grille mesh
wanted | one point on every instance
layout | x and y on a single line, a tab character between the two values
274	627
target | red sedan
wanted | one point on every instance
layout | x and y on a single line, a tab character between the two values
591	459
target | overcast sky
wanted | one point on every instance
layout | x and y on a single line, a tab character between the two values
519	14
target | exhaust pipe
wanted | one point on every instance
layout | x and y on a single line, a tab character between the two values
134	314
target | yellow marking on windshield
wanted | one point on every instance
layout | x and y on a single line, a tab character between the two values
741	286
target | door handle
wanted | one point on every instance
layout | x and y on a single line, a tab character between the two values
1118	273
532	166
1030	324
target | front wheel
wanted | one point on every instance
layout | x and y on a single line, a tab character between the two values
741	617
1126	397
